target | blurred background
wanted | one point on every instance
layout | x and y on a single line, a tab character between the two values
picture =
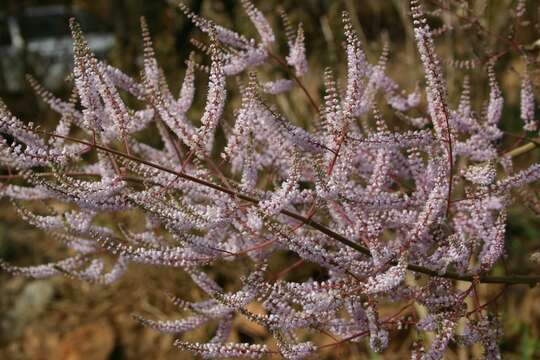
64	319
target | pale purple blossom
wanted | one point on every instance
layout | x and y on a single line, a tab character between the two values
365	199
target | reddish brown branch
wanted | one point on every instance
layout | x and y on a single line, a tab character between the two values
510	280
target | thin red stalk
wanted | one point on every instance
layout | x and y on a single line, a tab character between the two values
389	319
513	44
347	339
281	62
167	132
491	301
448	142
312	210
476	296
511	280
288	269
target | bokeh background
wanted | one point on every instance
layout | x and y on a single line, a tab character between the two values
60	318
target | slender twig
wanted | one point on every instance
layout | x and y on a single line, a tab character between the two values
296	79
389	319
448	143
288	269
510	280
486	304
474	21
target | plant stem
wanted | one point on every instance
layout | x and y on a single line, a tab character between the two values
531	280
296	79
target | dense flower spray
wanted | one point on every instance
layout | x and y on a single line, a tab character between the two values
367	204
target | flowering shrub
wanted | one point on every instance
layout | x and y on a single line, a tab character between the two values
388	215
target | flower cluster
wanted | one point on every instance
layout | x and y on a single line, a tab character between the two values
365	203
